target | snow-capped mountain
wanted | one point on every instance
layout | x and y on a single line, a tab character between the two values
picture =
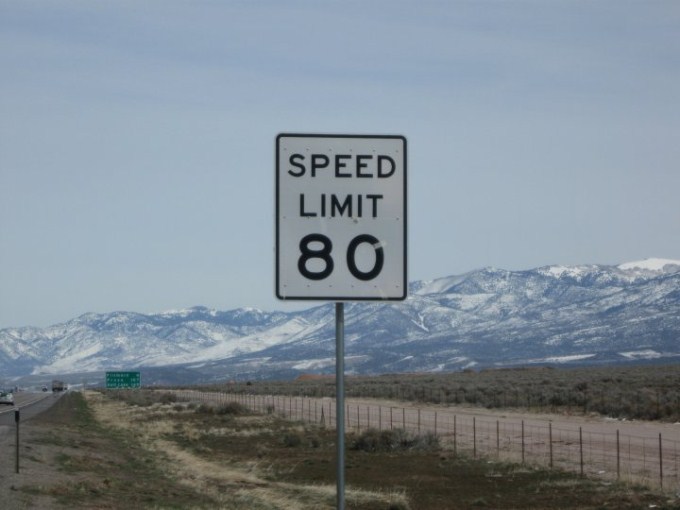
488	317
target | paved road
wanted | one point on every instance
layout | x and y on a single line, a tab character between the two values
29	405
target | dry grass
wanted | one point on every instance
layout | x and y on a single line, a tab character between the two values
106	453
641	392
235	485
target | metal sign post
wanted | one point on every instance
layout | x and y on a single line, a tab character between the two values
340	401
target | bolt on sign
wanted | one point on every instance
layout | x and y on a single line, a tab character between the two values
123	380
341	217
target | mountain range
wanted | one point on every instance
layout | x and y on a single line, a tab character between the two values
484	318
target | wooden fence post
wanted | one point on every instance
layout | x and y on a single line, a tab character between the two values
618	456
498	439
522	441
580	443
474	437
660	462
551	443
455	439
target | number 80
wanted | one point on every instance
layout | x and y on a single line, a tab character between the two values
324	253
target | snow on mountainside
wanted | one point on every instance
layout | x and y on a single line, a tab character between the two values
489	317
652	265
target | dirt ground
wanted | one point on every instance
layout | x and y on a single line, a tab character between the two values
512	435
68	460
36	465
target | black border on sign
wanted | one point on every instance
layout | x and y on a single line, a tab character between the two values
276	199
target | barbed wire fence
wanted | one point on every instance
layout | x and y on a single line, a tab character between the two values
652	461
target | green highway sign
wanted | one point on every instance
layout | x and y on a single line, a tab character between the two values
123	380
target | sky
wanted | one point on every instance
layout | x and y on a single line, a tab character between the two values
137	139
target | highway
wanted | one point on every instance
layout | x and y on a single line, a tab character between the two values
29	404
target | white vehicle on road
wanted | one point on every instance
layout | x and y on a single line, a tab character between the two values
6	397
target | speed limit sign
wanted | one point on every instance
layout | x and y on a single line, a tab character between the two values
340	217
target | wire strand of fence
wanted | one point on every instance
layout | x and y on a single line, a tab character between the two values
654	461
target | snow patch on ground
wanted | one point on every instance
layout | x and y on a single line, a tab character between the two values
559	271
439	285
645	354
79	359
421	323
314	364
567	359
458	359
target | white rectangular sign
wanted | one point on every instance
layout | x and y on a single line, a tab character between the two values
341	217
